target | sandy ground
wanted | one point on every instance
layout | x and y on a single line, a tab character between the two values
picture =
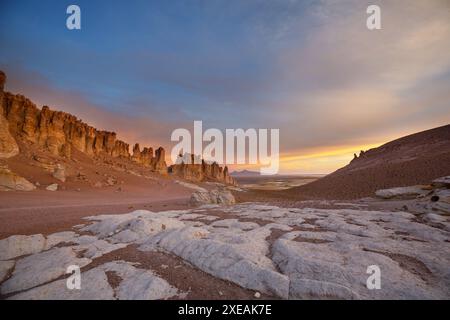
33	216
42	211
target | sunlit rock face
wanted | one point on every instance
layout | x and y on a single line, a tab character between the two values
8	145
189	168
58	132
61	133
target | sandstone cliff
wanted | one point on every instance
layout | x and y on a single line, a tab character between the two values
59	133
201	172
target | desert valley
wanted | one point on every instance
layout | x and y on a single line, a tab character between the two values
72	194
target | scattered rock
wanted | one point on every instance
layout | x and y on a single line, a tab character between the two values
110	181
216	196
257	295
9	181
60	173
52	187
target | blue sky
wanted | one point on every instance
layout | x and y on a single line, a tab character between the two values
310	68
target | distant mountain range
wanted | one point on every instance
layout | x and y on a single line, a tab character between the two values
245	173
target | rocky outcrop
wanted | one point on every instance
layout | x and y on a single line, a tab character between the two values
58	132
145	157
60	173
410	192
8	145
216	196
201	172
61	133
9	181
52	187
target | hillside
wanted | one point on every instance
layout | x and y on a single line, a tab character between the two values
413	159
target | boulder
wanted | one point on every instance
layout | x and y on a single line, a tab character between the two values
402	192
216	196
443	182
60	173
52	187
11	181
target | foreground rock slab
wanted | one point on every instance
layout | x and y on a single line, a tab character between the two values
288	253
135	284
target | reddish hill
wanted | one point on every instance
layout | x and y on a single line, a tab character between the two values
414	159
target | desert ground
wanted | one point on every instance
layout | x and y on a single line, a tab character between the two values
149	245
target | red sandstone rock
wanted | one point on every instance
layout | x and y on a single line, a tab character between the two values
200	172
60	133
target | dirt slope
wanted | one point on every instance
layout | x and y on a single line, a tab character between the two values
414	159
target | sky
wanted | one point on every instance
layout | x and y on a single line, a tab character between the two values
309	68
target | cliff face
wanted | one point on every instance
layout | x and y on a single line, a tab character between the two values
146	158
60	132
201	172
56	131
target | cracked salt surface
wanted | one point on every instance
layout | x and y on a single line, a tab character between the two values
297	254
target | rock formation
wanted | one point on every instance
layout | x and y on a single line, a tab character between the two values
158	162
145	157
60	133
8	146
56	131
9	181
216	196
201	172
